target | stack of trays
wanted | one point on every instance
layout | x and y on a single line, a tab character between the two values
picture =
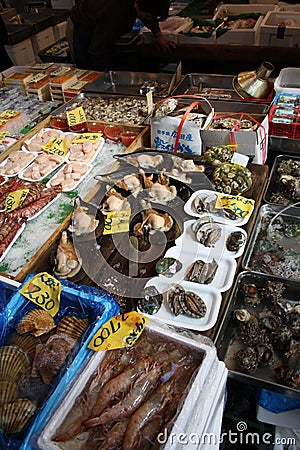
18	80
59	84
39	85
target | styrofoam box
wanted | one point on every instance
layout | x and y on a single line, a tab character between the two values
195	40
289	419
59	31
232	10
288	80
248	36
271	35
251	143
295	8
42	40
22	53
64	405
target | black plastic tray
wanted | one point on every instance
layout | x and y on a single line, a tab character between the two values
228	343
47	56
38	21
273	186
17	33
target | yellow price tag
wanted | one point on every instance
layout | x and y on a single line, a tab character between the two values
43	290
2	135
76	116
15	199
9	114
92	137
57	146
119	332
117	222
240	206
2	122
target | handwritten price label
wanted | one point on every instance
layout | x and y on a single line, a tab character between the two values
239	205
76	116
15	199
2	135
43	290
9	114
57	146
117	222
119	332
92	137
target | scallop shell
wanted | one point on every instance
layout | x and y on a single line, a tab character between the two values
72	326
36	322
13	362
8	391
25	341
15	415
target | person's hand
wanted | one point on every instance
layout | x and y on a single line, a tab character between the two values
165	45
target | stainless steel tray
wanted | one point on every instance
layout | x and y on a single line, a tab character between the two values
228	341
239	107
129	83
72	104
284	144
273	186
196	83
270	251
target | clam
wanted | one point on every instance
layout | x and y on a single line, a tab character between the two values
82	222
72	326
168	266
153	221
67	262
131	183
15	415
8	391
27	342
145	161
150	301
208	234
36	322
13	362
114	201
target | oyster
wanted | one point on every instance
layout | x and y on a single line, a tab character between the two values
114	201
165	107
289	372
82	222
291	186
150	301
202	272
205	203
67	262
247	360
72	326
168	266
265	354
208	234
15	415
235	241
153	221
36	322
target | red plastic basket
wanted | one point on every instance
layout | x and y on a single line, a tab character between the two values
290	130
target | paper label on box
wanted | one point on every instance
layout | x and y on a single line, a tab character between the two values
164	132
2	134
119	332
42	66
61	70
92	137
57	146
15	199
117	222
36	78
43	290
76	116
9	114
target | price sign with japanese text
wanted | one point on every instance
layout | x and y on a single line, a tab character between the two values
117	222
76	116
43	290
119	332
83	137
9	114
15	199
57	146
2	136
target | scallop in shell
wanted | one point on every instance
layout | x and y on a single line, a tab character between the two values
8	391
25	341
13	362
72	326
14	416
36	322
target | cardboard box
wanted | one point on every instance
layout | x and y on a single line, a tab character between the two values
280	29
251	143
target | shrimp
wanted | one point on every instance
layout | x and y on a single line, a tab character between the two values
145	413
115	437
114	389
141	388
